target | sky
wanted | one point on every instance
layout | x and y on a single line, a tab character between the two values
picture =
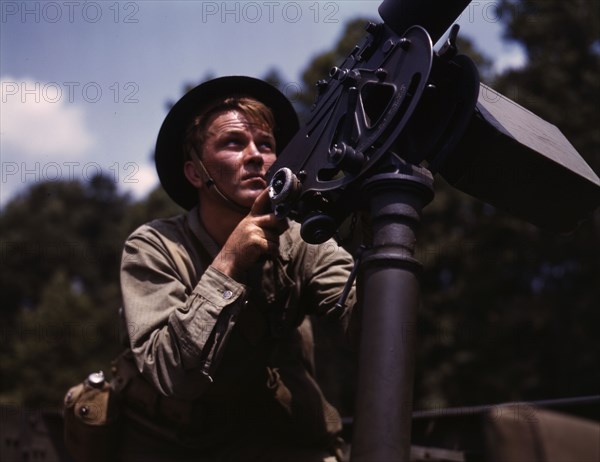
85	85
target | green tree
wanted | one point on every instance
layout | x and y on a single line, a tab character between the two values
59	226
156	205
510	309
61	246
560	80
56	344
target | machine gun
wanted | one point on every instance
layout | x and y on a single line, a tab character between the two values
387	119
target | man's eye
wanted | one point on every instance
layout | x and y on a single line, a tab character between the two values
233	142
267	146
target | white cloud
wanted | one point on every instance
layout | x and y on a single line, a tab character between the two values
140	181
512	58
37	119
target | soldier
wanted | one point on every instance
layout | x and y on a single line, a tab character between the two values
219	364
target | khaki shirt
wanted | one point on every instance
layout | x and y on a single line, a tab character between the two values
199	335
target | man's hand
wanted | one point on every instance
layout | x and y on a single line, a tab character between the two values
255	237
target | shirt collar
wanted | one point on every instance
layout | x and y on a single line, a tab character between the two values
193	219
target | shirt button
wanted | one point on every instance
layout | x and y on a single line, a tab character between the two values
227	294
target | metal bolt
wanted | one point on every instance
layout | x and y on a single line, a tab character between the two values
322	86
404	43
371	27
353	77
96	379
337	73
388	45
381	74
336	153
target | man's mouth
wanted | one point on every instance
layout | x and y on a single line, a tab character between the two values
255	178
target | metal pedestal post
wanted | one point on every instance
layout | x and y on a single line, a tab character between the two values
388	280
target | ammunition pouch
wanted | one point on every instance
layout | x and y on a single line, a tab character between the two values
91	420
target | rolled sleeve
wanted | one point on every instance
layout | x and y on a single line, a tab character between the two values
178	316
210	314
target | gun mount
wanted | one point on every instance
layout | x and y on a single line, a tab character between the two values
393	95
389	87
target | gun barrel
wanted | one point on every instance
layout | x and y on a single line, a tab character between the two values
435	16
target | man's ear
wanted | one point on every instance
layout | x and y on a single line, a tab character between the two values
192	174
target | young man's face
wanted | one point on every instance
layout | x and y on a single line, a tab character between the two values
237	154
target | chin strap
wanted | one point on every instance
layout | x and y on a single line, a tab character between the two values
211	184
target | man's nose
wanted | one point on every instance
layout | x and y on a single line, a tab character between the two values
253	154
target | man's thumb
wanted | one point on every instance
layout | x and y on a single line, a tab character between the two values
262	204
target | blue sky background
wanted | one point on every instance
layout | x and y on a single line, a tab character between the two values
84	85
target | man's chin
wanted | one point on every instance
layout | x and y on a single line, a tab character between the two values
250	198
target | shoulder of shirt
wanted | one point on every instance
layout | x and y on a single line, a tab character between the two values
293	246
291	242
171	227
293	232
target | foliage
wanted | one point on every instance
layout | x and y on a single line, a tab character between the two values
61	249
560	82
59	226
509	310
59	342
